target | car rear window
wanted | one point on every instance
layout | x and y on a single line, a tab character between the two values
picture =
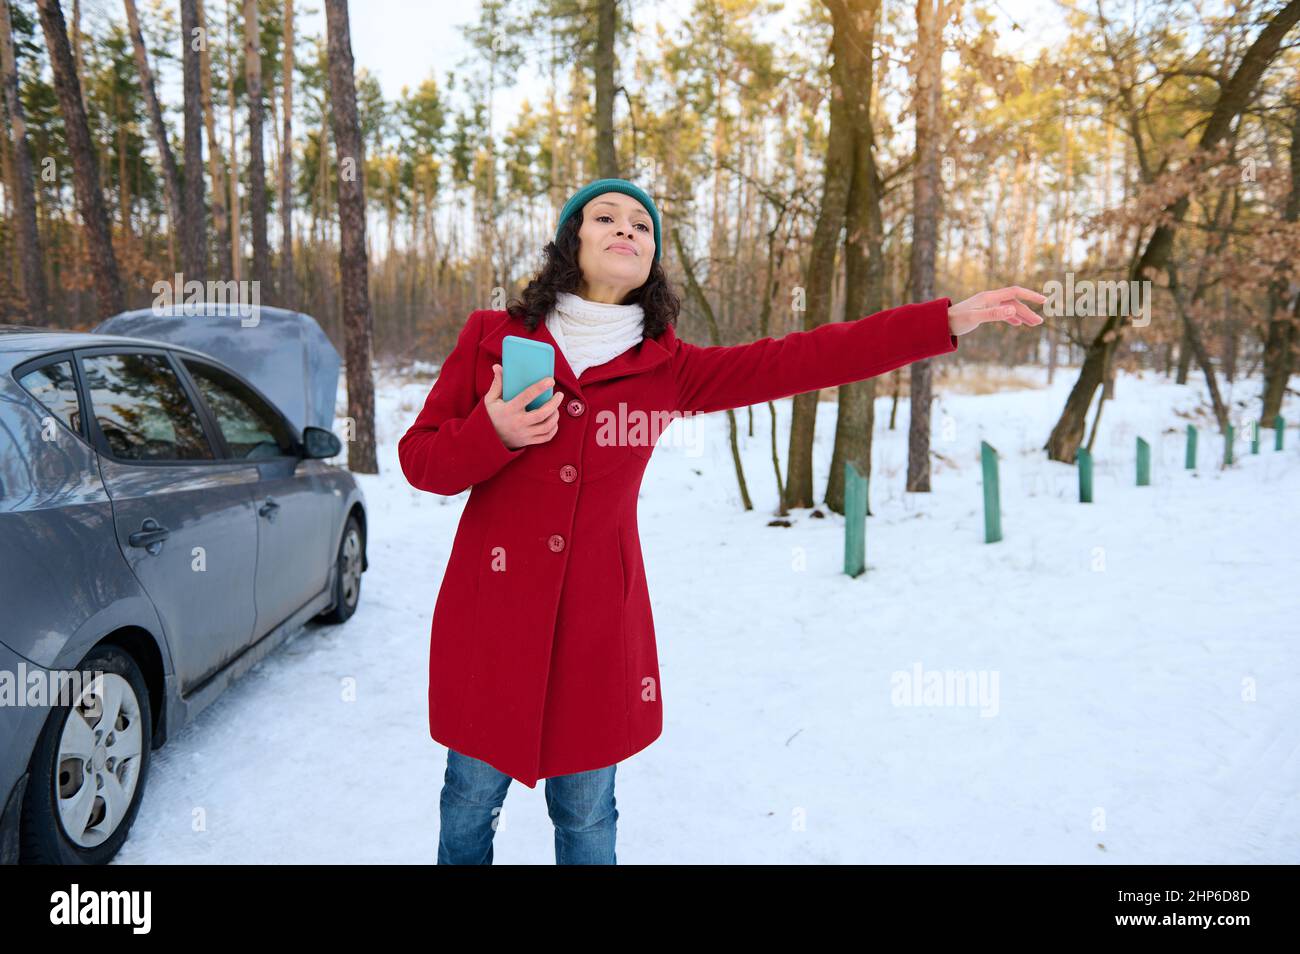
56	388
142	410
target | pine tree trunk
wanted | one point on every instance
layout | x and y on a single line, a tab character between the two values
864	265
288	293
109	299
353	265
603	67
1281	339
22	181
925	204
821	268
171	173
236	219
256	159
194	234
216	166
1184	357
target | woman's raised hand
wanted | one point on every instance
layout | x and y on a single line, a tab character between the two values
515	426
1002	304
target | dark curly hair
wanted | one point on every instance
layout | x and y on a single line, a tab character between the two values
560	273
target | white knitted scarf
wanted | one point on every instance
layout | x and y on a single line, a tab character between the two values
592	332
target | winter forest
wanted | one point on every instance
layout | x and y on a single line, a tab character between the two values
1030	516
867	154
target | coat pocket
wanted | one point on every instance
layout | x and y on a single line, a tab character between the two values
627	562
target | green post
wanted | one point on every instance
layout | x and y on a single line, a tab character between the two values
992	505
1085	475
1255	427
1144	463
855	520
1279	428
1191	447
1227	446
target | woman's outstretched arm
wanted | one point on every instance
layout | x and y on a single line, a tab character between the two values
453	443
719	377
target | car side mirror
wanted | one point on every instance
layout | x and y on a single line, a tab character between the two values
318	443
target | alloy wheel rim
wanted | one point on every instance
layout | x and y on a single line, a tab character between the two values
100	753
351	567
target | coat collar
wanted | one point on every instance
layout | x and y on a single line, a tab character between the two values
636	360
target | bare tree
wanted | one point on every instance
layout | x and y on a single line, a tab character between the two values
22	179
1234	96
353	264
194	240
216	166
821	265
171	172
287	291
1280	344
930	17
109	299
256	160
76	36
236	222
603	67
695	292
864	263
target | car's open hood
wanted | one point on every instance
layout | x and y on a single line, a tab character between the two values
285	354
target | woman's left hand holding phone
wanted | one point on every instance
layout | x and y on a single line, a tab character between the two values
516	426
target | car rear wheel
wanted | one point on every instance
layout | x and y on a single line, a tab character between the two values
90	766
347	581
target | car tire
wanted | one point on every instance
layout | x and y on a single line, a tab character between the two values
50	817
347	579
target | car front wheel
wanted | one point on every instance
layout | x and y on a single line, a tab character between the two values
347	581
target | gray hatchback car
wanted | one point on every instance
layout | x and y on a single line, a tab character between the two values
163	526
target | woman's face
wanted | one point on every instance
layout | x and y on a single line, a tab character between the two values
617	245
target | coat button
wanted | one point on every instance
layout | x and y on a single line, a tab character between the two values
555	542
576	407
568	473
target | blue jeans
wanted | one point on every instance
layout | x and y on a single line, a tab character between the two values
581	806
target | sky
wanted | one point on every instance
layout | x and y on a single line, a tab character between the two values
402	42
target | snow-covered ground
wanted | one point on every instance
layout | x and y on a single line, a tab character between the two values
1136	660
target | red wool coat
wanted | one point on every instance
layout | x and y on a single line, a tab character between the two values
542	651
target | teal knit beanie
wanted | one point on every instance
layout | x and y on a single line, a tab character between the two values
601	186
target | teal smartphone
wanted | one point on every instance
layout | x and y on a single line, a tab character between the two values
524	362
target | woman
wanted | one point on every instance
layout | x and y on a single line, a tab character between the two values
542	660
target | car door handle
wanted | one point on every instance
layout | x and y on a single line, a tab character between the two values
268	509
150	535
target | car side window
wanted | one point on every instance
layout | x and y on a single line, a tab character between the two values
142	409
56	388
250	427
